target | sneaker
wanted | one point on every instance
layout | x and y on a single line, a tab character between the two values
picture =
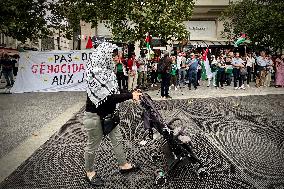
95	181
176	88
155	85
236	88
248	86
134	168
152	85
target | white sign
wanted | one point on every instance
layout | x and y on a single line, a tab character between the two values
51	71
201	30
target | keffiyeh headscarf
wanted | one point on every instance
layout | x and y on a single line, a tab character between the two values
101	79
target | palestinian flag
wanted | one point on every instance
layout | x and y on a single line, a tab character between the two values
206	71
89	43
148	47
241	40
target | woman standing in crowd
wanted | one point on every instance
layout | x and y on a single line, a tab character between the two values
102	99
214	69
174	73
228	70
279	77
250	67
120	71
269	70
154	71
132	65
221	72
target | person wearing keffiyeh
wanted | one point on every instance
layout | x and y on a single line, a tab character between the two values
102	99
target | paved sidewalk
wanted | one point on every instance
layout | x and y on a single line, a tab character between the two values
239	140
23	114
208	92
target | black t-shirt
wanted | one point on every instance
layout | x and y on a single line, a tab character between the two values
109	106
6	64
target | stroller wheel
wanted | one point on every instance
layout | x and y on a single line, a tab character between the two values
160	178
201	172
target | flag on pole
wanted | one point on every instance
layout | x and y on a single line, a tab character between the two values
148	47
241	40
206	71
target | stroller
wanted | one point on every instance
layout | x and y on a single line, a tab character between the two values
177	148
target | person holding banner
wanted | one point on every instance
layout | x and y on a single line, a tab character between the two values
102	116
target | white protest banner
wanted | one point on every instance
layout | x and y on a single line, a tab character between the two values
51	71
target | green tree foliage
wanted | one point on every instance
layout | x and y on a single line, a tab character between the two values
130	20
261	20
23	19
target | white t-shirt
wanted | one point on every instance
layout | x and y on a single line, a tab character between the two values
179	60
250	61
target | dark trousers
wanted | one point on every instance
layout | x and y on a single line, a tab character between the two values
228	79
237	77
192	78
154	76
249	70
8	74
221	77
165	85
121	81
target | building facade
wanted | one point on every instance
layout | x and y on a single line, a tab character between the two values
204	27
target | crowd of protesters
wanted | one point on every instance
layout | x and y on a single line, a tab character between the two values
186	70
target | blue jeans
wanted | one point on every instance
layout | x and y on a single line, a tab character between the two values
192	77
181	78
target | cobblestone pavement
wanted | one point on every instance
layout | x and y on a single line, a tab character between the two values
239	139
22	114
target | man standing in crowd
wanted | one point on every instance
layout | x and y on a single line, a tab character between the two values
182	71
261	69
7	70
237	64
142	71
192	64
164	69
269	70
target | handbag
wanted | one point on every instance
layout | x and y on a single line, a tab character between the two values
110	122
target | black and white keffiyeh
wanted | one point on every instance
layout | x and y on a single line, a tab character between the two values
100	76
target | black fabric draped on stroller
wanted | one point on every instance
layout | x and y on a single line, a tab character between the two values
178	147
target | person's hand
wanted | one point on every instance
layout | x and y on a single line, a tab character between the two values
136	96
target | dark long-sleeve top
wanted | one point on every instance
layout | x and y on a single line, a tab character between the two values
109	106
